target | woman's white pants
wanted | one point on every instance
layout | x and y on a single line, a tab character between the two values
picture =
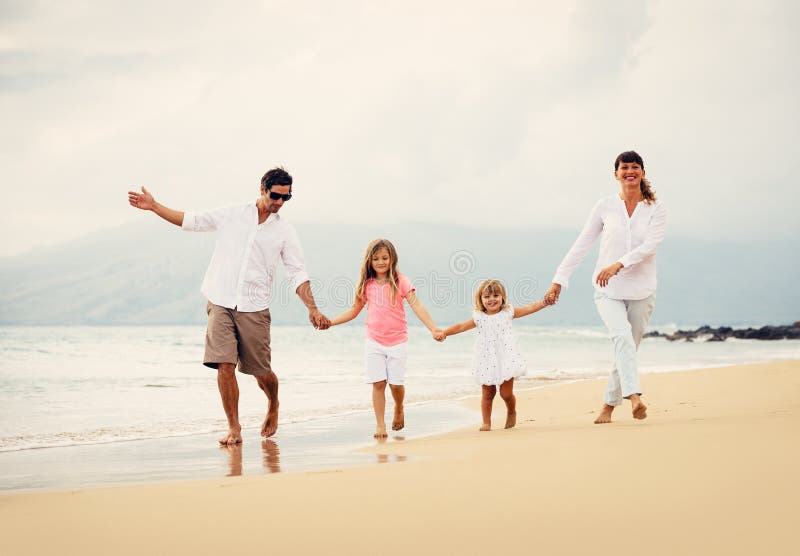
626	320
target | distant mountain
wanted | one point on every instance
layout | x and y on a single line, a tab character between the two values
150	272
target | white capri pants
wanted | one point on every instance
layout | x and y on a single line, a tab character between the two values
385	362
626	320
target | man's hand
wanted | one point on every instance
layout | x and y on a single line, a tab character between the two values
605	275
439	335
551	297
143	200
318	320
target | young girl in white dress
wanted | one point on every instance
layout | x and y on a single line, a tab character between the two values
497	361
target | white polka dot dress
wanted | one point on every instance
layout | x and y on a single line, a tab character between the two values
497	358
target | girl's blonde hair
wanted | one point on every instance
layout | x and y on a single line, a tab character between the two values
368	272
493	286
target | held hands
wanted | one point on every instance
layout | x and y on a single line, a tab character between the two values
318	320
605	275
438	335
551	297
143	200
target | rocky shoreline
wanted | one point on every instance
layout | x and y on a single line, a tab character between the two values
709	334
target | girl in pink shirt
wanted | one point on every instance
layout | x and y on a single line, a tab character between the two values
382	289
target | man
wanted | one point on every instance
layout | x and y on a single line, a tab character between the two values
238	286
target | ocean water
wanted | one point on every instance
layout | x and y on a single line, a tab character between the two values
71	386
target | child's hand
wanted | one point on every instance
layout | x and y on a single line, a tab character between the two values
439	335
551	295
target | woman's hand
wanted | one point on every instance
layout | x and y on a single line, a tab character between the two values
551	297
439	335
605	275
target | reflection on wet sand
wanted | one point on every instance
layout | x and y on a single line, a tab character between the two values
386	458
272	456
270	452
234	459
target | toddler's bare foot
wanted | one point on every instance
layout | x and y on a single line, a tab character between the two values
605	414
399	419
270	425
234	436
511	419
485	427
639	410
380	432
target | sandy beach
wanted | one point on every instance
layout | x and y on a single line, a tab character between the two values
713	470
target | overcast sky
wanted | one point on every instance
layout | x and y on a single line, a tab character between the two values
472	113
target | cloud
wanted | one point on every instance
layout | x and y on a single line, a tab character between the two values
445	112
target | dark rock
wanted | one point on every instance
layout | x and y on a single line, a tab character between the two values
720	334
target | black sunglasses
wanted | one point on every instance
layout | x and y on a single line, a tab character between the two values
275	196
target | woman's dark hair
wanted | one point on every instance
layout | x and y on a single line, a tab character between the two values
276	176
628	157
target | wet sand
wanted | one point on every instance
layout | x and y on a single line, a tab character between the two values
713	470
312	445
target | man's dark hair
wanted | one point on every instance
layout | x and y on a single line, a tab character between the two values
276	176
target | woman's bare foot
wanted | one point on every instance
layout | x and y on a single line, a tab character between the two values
399	418
511	419
380	432
605	414
270	425
485	427
234	436
639	409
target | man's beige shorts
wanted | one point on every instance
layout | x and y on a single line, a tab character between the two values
235	337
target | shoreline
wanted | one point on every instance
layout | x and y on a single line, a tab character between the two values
316	444
60	381
712	470
559	377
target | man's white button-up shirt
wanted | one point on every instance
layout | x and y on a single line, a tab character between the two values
246	254
630	240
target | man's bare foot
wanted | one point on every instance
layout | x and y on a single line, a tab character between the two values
485	427
605	414
399	419
639	410
270	425
511	420
234	436
380	432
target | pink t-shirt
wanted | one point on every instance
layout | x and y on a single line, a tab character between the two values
386	322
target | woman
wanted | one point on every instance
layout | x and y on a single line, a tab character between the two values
631	224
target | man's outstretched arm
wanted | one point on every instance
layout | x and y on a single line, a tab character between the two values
145	201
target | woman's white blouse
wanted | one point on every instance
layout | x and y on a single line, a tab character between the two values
631	241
